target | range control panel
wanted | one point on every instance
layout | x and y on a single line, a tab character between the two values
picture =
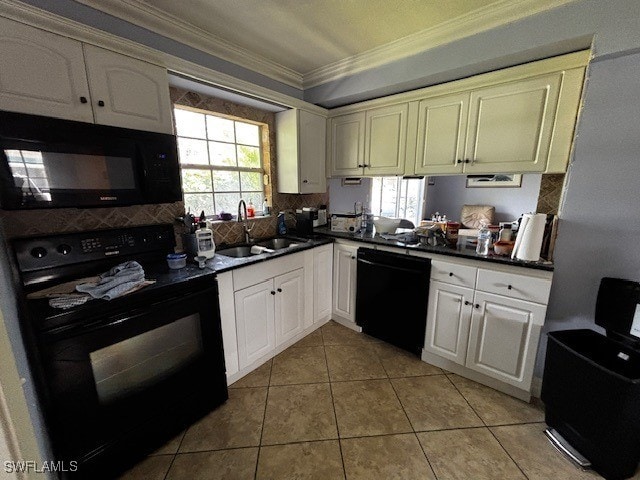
51	251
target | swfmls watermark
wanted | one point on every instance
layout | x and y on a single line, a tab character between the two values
30	466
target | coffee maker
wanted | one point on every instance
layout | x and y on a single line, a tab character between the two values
309	217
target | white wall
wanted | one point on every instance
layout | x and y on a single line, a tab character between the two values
449	194
342	199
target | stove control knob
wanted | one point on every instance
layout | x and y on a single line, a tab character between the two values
38	252
64	249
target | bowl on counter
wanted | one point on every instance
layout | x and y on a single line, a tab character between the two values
386	225
503	247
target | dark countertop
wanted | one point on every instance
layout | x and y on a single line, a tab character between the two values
221	263
460	251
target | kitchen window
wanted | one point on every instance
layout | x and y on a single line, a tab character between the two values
220	160
397	197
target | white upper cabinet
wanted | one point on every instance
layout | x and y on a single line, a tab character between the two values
47	74
347	144
301	138
442	127
42	73
385	140
511	126
127	92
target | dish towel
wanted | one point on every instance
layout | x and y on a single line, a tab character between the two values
117	281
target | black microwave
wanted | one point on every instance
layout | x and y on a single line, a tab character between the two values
52	163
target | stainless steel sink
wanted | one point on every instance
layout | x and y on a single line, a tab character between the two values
236	252
278	243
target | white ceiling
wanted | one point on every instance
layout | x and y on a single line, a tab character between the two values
307	42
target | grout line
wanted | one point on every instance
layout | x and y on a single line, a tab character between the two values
175	455
264	419
465	399
335	415
508	454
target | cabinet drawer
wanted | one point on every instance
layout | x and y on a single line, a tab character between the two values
461	275
532	289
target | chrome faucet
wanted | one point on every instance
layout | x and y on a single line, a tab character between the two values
242	209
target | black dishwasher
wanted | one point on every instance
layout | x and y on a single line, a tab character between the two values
391	297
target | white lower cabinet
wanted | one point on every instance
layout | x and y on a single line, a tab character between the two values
255	322
503	338
448	319
482	324
344	281
289	305
268	306
322	282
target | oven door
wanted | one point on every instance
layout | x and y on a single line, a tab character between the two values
114	382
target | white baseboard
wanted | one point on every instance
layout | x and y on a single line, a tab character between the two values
346	323
536	386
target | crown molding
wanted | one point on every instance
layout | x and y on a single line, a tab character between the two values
148	16
38	18
482	19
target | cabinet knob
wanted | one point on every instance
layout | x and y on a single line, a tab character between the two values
83	100
509	287
353	258
466	302
100	103
466	160
360	166
272	292
279	290
477	305
305	181
459	161
365	165
451	274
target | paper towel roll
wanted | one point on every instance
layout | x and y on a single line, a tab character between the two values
529	240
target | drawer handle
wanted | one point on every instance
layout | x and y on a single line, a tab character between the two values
466	302
272	292
509	287
477	305
279	290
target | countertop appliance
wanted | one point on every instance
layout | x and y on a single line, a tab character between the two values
346	222
591	385
116	379
391	297
50	163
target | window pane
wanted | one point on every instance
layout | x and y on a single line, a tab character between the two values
220	129
248	157
414	200
250	181
198	202
247	134
389	197
226	181
193	151
227	202
196	180
222	154
189	124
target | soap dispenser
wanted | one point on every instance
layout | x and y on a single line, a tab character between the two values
204	240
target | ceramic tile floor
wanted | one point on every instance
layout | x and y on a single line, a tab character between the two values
339	404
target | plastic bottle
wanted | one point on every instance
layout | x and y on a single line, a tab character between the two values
282	226
205	242
265	208
484	239
251	210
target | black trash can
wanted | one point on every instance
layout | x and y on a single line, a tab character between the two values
591	392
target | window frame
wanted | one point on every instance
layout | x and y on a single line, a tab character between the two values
211	168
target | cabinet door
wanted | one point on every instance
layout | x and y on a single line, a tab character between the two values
42	73
448	318
386	140
322	273
442	126
312	151
511	125
344	281
127	92
503	339
347	144
289	305
255	322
